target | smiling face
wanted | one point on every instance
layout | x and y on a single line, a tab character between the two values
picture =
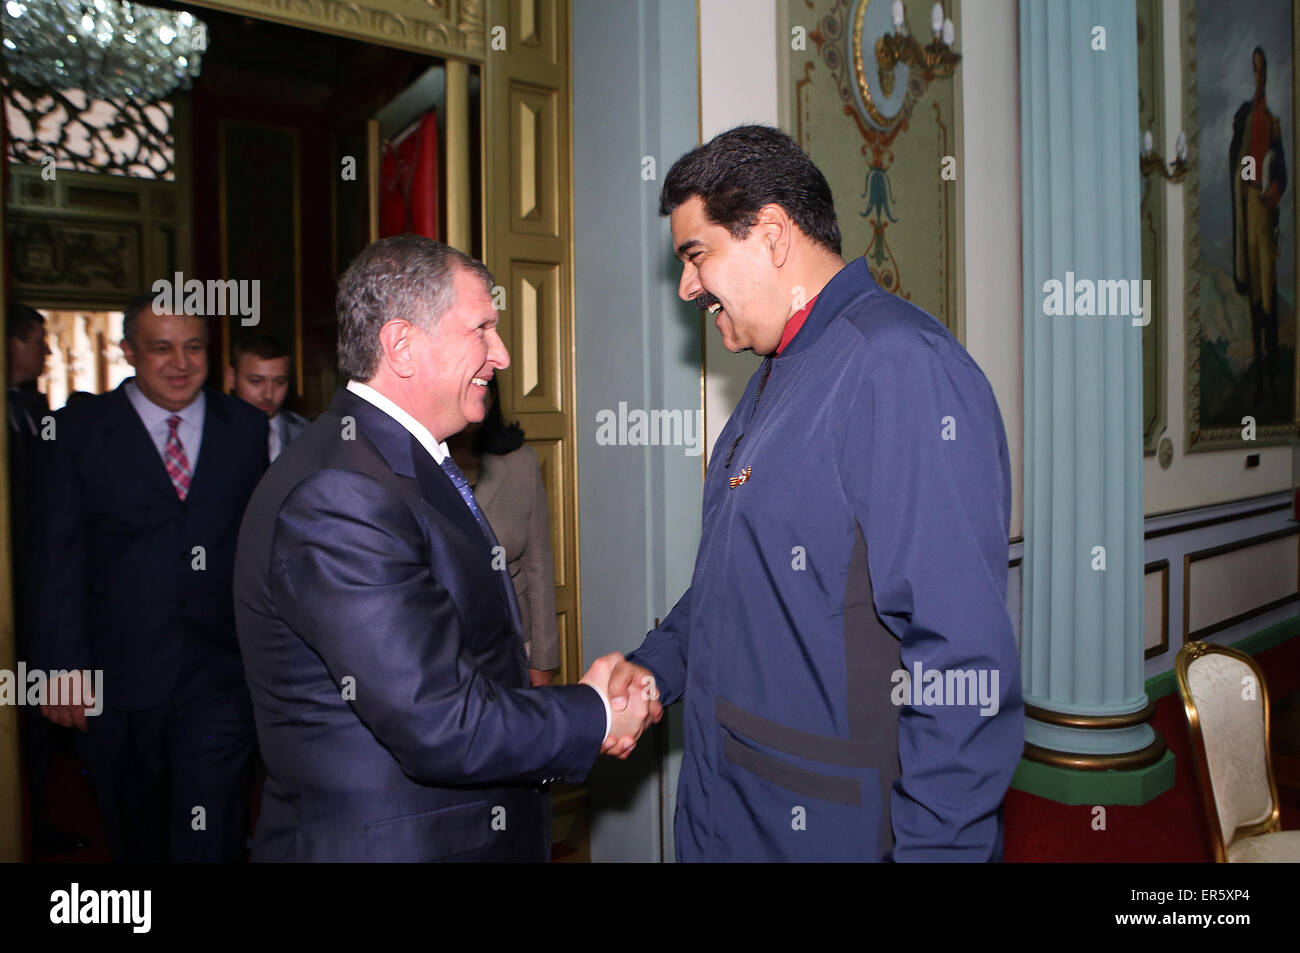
737	274
458	360
170	357
261	382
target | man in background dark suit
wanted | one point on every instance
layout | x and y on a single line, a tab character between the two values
259	373
27	409
376	617
147	485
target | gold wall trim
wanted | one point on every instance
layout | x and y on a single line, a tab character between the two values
440	27
1128	761
1066	720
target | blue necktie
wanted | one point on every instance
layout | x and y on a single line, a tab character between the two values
467	494
462	485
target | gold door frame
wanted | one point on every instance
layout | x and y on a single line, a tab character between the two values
522	47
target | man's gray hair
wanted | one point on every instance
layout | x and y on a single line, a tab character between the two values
404	276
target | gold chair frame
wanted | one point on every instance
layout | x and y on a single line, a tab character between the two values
1189	653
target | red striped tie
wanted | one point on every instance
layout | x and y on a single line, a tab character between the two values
178	468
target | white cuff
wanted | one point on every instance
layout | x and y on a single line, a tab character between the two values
609	712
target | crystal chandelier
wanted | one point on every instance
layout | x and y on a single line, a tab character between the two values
110	49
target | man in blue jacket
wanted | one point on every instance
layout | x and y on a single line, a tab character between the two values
844	653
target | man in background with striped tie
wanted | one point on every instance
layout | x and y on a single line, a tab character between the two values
378	623
144	490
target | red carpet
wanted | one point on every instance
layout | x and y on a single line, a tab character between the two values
1170	828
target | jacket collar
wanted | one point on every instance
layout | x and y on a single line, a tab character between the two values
406	457
132	434
852	281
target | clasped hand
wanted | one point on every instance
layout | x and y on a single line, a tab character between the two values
633	701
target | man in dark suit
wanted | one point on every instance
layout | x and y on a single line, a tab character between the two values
378	626
146	488
27	409
259	373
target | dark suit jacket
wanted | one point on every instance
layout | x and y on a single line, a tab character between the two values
387	676
120	589
25	403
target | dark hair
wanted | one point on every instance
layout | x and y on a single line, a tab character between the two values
739	171
137	306
19	321
259	345
131	313
403	276
1263	60
494	435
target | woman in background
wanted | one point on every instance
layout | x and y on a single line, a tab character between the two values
507	482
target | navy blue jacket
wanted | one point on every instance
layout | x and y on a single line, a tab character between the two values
122	588
386	667
855	525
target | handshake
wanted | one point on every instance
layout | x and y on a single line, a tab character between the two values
633	701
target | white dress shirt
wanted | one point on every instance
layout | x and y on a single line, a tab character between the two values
438	450
189	432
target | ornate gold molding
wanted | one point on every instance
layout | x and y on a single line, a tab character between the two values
1128	761
444	27
1064	720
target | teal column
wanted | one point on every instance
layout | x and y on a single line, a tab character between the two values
1082	630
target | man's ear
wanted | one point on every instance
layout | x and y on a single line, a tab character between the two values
777	229
396	347
128	351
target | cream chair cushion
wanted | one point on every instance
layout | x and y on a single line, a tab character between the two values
1232	726
1282	847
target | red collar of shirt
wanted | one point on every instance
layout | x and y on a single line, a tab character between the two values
794	324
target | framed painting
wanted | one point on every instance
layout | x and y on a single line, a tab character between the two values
1239	101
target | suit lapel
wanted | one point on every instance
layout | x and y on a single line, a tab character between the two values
440	493
141	454
408	458
215	444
